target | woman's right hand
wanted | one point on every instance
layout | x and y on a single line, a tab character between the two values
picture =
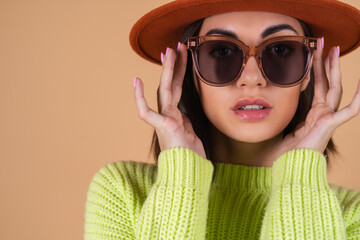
173	128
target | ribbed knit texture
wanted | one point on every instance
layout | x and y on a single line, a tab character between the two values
188	197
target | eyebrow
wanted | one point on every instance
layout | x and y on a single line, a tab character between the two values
277	28
217	31
264	34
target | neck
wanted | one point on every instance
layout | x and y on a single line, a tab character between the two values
227	150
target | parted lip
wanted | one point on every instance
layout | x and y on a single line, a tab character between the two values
249	101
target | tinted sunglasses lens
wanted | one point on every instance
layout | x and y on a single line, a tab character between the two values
219	62
285	62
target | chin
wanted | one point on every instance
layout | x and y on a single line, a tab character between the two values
254	136
253	139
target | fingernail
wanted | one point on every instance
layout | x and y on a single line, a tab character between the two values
322	42
178	46
167	51
162	57
134	81
338	50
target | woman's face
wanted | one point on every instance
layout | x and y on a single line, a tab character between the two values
252	28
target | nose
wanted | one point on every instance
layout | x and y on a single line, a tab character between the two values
251	75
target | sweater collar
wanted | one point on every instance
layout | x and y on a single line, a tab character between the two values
241	177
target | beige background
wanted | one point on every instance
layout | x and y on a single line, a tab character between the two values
67	109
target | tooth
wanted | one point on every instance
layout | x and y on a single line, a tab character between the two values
251	107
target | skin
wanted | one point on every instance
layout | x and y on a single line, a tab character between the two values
238	142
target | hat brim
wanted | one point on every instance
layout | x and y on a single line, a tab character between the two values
163	27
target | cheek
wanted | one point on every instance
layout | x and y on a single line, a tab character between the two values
217	103
212	99
290	100
286	106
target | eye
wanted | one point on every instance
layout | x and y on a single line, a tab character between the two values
281	49
221	51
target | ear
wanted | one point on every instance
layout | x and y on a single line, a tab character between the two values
305	82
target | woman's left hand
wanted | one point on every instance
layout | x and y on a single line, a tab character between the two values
324	116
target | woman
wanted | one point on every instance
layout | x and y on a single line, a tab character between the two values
242	129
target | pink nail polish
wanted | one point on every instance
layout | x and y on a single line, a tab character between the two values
162	57
338	50
178	46
134	81
167	51
322	42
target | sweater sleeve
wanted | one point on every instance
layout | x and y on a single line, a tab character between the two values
302	204
177	205
174	207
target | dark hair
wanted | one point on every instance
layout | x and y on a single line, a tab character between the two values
190	103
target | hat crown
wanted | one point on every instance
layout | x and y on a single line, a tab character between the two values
164	26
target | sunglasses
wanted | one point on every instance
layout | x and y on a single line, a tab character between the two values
284	61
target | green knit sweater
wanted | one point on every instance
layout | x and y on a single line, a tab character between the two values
188	197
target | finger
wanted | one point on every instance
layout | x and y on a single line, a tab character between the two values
164	90
350	111
179	72
333	97
145	113
321	82
327	66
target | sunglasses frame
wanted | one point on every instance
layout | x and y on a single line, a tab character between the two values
195	42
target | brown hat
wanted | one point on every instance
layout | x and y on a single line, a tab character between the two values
163	27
